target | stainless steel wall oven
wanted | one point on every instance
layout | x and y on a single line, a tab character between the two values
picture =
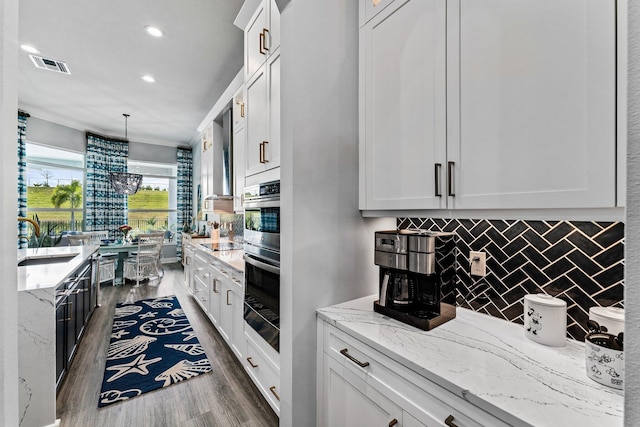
262	260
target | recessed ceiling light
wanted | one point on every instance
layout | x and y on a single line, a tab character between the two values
154	31
148	78
29	48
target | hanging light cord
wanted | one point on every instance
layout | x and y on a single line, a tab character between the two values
126	120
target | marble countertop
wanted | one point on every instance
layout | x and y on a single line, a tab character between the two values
233	258
50	275
489	362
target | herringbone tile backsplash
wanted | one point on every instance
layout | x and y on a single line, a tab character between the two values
580	262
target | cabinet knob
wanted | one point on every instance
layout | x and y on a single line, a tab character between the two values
449	421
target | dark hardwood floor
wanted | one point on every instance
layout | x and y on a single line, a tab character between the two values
224	397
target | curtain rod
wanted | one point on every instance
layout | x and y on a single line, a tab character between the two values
106	138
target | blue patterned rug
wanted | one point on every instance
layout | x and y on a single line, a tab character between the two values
152	346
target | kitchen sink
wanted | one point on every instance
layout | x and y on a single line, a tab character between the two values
46	260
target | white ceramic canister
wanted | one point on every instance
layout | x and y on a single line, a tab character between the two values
545	319
604	359
611	318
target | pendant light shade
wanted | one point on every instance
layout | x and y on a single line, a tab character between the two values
124	182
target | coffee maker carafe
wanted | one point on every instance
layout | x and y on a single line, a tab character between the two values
417	276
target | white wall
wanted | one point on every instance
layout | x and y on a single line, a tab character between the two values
632	245
8	212
327	247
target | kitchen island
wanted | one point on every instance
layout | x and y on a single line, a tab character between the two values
39	293
477	364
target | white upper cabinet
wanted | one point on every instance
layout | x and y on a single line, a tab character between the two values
492	104
262	36
263	118
403	74
532	111
239	146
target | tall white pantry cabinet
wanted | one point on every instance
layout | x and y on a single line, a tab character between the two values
487	104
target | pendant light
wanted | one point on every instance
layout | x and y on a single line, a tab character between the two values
124	182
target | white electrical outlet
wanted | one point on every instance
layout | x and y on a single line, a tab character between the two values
478	262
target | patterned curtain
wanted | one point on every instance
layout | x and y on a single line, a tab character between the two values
22	177
185	192
104	208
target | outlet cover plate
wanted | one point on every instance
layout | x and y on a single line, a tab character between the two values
478	262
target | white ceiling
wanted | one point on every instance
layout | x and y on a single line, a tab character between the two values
105	46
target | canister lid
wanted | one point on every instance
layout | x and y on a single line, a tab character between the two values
611	313
545	299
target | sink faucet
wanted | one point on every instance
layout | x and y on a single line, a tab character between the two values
35	225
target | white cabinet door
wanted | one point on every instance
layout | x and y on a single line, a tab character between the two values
349	401
403	104
225	325
254	42
532	108
272	147
263	118
214	305
262	36
256	122
238	111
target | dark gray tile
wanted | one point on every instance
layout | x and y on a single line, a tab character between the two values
499	225
583	281
535	274
514	262
496	237
560	231
535	257
584	244
534	238
610	276
610	296
515	246
540	227
613	255
560	249
480	228
584	263
587	227
614	233
515	230
557	268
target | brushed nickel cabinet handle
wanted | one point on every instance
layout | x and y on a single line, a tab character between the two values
264	151
438	170
345	353
241	104
264	38
449	421
273	390
250	360
262	51
228	303
450	170
393	422
215	286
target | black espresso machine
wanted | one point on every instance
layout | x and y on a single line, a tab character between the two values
417	276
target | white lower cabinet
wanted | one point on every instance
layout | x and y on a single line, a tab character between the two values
357	386
262	363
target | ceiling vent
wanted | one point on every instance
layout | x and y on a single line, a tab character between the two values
50	64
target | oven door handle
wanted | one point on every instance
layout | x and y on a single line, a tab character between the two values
263	265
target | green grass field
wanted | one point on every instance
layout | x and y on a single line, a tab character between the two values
40	197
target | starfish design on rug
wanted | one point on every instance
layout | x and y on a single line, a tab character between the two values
119	334
136	366
150	314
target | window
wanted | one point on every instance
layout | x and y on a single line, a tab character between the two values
55	193
154	206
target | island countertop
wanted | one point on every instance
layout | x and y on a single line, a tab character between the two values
50	275
491	364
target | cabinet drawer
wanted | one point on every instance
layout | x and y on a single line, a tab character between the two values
263	372
201	292
423	399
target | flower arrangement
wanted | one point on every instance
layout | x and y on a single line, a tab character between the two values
124	229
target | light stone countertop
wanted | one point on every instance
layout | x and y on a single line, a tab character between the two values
50	275
489	362
233	258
